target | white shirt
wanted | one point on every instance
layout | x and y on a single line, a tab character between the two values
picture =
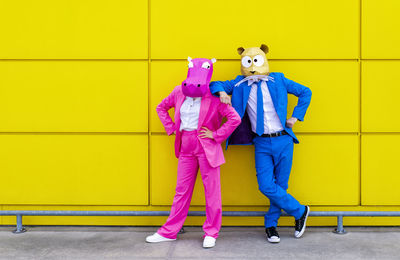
272	124
190	111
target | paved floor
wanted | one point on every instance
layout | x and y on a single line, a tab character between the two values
234	243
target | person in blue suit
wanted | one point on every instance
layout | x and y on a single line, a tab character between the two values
261	99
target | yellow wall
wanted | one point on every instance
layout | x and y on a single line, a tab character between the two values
80	80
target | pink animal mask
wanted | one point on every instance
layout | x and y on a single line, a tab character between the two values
198	78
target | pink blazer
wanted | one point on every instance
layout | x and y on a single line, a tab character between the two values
211	113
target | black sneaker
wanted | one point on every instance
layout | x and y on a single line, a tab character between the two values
272	235
300	225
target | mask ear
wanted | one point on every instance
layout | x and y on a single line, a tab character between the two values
264	48
213	60
240	50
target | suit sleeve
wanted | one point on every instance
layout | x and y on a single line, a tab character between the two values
304	97
162	111
217	86
222	133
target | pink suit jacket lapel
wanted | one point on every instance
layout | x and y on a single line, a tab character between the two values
205	105
177	117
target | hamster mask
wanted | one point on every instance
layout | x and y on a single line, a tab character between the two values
198	78
254	61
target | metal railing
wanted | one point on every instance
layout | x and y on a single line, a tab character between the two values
338	230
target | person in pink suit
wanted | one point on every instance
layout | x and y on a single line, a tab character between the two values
199	134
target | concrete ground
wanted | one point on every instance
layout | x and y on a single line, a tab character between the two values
234	243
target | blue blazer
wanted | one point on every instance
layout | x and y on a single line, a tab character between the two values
278	87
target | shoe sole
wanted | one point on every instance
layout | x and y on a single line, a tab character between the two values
153	242
274	241
208	247
305	224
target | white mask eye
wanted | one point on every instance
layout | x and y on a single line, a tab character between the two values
246	61
190	65
206	65
258	60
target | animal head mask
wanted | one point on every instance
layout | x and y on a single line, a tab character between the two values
198	78
254	61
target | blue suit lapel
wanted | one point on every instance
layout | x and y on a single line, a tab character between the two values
272	92
246	94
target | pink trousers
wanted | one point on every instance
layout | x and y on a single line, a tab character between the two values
191	158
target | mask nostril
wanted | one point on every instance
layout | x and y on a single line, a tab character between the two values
198	85
184	84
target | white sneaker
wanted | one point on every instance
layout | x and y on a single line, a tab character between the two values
209	242
274	239
157	238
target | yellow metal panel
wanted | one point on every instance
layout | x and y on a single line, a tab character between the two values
164	77
380	29
312	183
163	168
111	170
73	96
380	169
80	169
335	100
326	169
380	92
74	29
305	29
322	77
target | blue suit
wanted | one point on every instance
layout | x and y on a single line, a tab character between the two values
273	155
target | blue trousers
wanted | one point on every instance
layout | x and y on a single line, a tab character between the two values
273	157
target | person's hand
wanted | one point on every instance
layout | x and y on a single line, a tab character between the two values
206	133
290	122
224	98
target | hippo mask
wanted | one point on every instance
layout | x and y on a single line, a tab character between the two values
198	78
